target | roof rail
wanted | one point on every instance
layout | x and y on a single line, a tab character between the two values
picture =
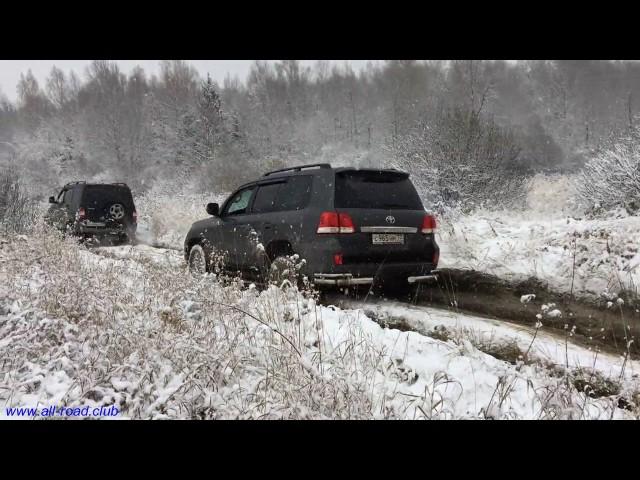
298	168
74	183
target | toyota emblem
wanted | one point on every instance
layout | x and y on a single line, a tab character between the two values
390	219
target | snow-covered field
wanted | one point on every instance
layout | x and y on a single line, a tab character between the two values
128	326
548	241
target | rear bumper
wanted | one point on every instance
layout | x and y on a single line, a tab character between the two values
340	279
348	279
359	268
111	230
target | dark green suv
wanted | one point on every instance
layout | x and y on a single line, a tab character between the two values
350	226
95	210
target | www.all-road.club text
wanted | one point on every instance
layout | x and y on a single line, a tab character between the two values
53	411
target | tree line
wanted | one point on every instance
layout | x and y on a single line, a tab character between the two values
467	130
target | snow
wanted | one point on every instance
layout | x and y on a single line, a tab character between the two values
128	326
160	343
518	245
166	213
527	298
548	346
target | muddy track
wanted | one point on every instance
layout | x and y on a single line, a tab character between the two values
472	292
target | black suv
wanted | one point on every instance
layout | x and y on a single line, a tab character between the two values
348	226
94	210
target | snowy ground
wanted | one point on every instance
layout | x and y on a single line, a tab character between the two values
518	245
165	217
130	327
547	347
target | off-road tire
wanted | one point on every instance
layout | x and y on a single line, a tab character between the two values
198	260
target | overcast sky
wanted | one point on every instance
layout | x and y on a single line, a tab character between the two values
10	70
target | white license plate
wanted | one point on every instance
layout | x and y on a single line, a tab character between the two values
387	238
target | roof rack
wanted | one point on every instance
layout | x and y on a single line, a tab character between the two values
74	183
298	168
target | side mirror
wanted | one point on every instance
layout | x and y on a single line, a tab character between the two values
213	209
52	200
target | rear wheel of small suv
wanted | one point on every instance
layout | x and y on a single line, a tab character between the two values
98	213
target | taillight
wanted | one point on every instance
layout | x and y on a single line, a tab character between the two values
329	223
435	258
332	222
81	214
337	259
346	223
429	224
135	217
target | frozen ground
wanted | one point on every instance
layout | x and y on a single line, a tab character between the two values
549	242
548	347
128	326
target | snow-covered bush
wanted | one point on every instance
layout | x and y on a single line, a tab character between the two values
17	210
462	159
159	343
611	179
167	210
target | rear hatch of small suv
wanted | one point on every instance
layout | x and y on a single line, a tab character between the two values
107	208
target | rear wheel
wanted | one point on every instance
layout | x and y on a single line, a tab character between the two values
198	261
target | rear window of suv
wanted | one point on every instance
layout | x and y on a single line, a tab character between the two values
376	190
100	195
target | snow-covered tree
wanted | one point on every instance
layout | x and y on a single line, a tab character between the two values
611	178
460	157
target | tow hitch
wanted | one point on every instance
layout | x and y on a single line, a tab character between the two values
433	276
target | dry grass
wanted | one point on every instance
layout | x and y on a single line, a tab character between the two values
161	343
17	209
157	342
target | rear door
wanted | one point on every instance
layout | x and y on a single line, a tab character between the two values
108	203
263	220
277	212
387	213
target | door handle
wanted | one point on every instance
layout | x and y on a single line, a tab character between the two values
267	226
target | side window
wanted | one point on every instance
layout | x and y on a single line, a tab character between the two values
266	198
68	194
295	194
238	204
